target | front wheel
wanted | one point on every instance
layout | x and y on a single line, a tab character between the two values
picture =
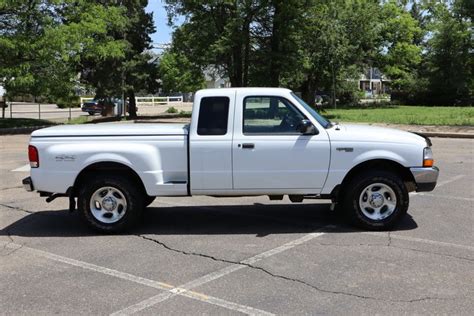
376	200
110	203
147	200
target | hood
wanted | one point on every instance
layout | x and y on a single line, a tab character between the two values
112	130
369	133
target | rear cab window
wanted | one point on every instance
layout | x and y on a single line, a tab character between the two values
213	116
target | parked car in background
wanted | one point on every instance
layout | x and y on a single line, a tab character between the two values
98	105
321	100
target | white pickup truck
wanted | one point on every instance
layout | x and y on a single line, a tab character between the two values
240	142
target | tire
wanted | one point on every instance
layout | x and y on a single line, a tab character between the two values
375	200
110	203
147	200
91	113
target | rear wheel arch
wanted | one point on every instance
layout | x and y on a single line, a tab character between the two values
107	167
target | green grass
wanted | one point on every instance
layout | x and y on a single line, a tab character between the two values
410	115
78	120
23	122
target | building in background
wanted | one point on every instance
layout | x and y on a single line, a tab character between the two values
214	79
373	83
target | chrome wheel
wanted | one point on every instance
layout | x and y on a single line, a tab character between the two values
377	201
108	205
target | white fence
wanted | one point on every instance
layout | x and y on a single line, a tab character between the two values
158	100
149	100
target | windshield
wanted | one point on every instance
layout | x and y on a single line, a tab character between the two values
321	119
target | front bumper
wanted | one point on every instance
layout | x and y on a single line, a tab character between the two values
425	178
28	184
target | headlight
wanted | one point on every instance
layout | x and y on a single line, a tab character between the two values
428	157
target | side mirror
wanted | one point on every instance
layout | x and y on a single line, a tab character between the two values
305	127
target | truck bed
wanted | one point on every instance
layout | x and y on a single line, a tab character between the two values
112	129
157	153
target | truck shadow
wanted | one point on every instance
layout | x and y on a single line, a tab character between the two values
255	219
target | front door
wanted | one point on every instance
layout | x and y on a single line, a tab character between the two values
269	153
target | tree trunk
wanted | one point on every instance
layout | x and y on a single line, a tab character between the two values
308	89
237	61
246	31
132	105
275	47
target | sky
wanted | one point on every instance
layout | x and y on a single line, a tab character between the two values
163	31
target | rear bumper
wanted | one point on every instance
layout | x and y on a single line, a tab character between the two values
425	178
28	184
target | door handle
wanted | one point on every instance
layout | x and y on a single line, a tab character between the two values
248	146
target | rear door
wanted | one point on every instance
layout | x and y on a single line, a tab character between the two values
211	142
269	154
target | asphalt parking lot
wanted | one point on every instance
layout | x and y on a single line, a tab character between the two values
204	255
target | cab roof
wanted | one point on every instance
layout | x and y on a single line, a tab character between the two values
259	90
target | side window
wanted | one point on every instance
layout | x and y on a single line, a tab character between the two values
270	115
213	116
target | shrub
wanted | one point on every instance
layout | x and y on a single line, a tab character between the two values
184	113
68	102
172	110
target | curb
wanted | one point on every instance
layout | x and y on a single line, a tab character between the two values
448	135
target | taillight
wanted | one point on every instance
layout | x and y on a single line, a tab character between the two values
33	156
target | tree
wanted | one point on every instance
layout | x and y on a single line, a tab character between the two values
42	43
339	40
217	34
178	74
449	59
400	54
132	69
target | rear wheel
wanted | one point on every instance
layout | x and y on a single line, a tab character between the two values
376	200
110	203
91	113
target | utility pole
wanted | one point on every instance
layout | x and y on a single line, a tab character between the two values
123	109
333	85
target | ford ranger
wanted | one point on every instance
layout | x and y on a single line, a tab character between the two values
240	142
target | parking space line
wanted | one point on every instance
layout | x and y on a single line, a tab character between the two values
24	168
216	275
446	196
421	240
172	290
441	183
455	178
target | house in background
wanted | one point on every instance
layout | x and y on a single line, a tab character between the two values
373	83
214	79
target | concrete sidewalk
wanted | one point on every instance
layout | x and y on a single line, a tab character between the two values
431	130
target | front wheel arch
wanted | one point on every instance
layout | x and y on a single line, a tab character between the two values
377	164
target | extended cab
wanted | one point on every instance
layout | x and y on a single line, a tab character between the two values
240	142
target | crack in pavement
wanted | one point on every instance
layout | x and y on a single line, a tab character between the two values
17	208
11	241
10	188
389	243
9	230
283	277
393	246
